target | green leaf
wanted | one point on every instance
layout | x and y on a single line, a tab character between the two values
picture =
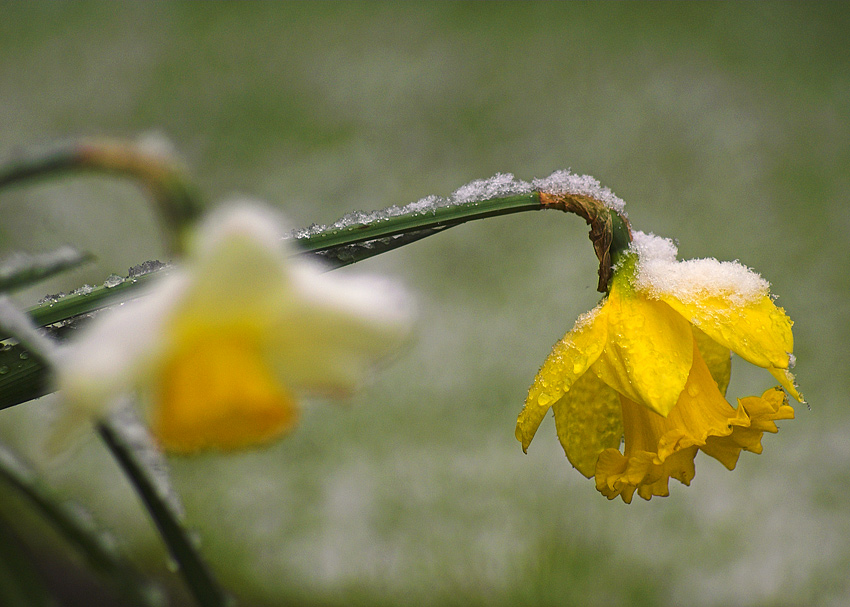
20	583
198	577
22	270
78	528
22	377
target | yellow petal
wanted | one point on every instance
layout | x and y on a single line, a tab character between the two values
589	420
701	412
618	475
217	392
786	378
717	357
759	332
649	350
755	416
569	360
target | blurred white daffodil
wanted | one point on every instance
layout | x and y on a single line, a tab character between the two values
219	347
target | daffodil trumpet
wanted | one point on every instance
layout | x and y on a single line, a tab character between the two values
648	368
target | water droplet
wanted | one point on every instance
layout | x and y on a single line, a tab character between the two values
544	399
4	369
113	280
24	355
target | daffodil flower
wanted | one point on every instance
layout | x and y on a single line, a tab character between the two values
219	349
651	364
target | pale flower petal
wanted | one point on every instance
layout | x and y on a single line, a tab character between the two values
218	348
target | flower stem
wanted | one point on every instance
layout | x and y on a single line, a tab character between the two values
194	570
177	200
413	220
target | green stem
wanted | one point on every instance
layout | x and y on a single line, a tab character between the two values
195	572
56	309
177	201
434	219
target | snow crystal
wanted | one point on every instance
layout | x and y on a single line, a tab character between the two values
51	299
652	248
500	185
84	290
146	267
567	182
659	274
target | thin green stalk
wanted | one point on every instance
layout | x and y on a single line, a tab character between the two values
193	569
176	199
339	246
57	308
436	218
21	271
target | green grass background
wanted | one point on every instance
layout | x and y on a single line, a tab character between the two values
725	126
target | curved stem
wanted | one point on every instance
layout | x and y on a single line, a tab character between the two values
350	231
177	201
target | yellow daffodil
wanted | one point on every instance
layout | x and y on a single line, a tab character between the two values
651	364
221	345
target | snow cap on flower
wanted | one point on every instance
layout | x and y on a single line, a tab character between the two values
219	347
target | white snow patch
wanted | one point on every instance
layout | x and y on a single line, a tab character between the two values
498	186
659	274
567	182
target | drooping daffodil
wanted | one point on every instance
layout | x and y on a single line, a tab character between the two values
649	367
220	347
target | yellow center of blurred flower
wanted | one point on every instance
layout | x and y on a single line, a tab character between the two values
217	391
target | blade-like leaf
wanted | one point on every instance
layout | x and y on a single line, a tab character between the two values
197	575
20	582
22	270
78	529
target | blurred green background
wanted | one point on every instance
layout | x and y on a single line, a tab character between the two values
724	126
